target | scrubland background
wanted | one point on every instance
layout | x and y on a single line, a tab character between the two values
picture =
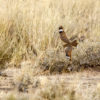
29	37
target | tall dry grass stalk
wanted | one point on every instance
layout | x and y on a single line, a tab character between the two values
29	27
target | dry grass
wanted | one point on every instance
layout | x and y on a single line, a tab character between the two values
29	36
29	28
58	91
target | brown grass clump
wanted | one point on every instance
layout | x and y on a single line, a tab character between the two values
85	55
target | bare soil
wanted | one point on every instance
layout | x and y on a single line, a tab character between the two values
85	79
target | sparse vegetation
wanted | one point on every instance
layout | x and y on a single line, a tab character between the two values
56	92
29	40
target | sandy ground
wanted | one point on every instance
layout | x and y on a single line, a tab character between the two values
85	80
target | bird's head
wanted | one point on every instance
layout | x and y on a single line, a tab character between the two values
60	29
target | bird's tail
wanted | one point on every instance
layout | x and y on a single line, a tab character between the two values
74	43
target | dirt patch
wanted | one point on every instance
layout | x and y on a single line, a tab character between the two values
89	78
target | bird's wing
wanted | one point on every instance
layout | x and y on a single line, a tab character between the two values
74	43
74	37
64	38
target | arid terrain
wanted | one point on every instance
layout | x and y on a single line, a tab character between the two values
33	63
71	86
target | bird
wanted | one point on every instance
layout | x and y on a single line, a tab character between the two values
68	44
68	51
